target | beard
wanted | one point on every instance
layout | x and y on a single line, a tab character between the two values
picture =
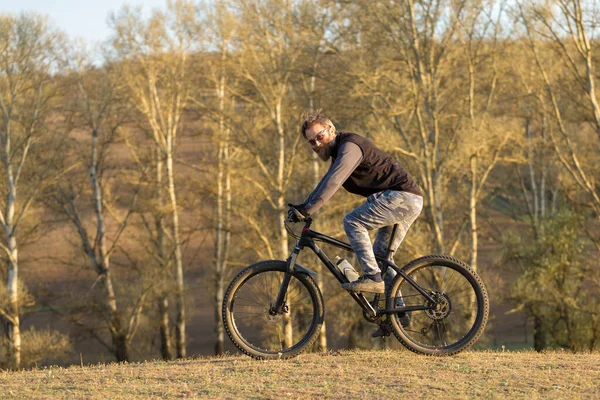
324	152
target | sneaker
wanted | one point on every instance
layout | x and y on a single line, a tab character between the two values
403	316
365	284
380	332
385	329
405	319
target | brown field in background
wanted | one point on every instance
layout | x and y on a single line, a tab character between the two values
58	280
347	374
59	276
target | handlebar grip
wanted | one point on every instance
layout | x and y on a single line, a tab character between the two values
297	214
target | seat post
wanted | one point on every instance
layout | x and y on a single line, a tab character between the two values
390	252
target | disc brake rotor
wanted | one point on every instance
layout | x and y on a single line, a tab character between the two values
442	308
271	317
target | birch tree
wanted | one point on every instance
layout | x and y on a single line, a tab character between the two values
29	50
267	58
483	143
565	24
558	35
319	42
427	72
157	58
406	78
268	43
538	169
97	108
221	24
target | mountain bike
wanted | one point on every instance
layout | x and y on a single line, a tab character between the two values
435	305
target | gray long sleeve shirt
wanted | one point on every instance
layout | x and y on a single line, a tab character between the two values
349	156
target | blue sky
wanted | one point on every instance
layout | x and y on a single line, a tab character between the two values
79	18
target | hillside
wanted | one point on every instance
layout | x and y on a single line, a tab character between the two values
355	374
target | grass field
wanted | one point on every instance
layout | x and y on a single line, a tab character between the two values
348	374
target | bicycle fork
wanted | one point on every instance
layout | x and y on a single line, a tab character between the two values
280	305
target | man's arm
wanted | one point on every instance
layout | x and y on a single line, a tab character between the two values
349	157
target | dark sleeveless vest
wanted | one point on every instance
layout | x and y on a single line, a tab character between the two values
377	171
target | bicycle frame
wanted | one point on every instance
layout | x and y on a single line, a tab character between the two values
307	239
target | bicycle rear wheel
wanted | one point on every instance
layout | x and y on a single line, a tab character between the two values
458	320
251	326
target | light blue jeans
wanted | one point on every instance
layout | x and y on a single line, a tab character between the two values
381	211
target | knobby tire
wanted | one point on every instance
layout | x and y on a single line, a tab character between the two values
465	300
247	300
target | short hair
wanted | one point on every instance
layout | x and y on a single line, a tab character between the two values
315	117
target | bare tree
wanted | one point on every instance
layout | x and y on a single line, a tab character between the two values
268	39
563	23
319	43
97	108
428	73
157	54
558	36
484	143
28	57
221	24
266	62
406	78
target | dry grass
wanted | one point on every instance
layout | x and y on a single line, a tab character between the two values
351	374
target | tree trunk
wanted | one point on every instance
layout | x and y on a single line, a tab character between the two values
166	347
594	333
424	83
12	285
539	334
219	330
221	243
218	299
119	336
166	341
589	67
28	58
545	171
180	293
226	240
227	237
102	260
281	217
223	215
121	347
323	334
322	341
537	196
13	324
473	212
435	212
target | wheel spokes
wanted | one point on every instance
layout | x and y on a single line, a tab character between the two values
455	312
255	323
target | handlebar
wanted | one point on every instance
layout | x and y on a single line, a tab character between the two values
307	222
297	214
298	217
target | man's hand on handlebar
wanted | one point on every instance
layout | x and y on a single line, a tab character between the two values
297	212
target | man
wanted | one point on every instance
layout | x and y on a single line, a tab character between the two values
362	168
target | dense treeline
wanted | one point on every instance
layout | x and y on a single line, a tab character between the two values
173	149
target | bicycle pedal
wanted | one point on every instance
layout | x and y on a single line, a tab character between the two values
381	332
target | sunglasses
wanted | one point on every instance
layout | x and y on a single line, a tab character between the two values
318	138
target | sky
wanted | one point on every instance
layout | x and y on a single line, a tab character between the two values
79	18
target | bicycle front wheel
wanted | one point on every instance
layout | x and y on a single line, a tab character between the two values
462	308
251	326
